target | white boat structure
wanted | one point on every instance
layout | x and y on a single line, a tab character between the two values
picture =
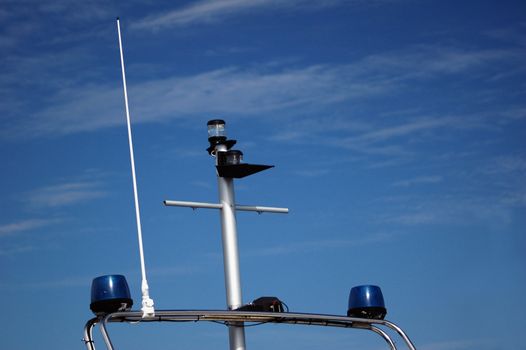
111	299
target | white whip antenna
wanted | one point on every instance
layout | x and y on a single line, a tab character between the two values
147	302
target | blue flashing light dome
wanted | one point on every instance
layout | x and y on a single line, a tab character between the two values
366	302
110	293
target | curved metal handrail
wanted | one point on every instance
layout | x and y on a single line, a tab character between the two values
244	316
88	333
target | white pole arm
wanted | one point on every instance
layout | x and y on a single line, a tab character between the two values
197	205
193	205
261	209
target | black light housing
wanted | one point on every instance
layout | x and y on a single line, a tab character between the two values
264	304
232	157
228	161
366	302
110	293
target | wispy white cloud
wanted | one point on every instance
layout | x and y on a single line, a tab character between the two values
24	225
29	20
515	199
202	184
419	180
375	142
8	251
493	209
309	127
65	194
312	172
66	282
209	11
512	114
389	162
84	281
232	91
181	270
430	61
507	164
241	91
419	218
401	130
326	244
391	140
85	11
507	34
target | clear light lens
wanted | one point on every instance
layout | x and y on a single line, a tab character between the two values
216	128
234	157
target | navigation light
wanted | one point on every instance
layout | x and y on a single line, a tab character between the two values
216	128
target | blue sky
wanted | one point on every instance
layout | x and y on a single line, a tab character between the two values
397	131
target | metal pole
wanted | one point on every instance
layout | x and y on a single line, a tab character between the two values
231	256
88	333
384	335
230	249
401	333
104	332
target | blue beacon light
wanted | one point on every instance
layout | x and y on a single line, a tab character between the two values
366	302
110	293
